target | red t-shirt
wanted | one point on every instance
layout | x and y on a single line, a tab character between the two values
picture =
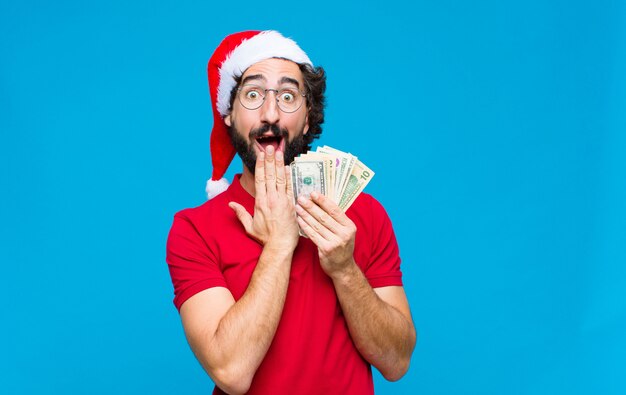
312	351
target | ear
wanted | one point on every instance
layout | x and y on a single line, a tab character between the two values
227	120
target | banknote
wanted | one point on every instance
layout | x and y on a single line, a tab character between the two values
358	179
345	161
333	173
308	176
329	170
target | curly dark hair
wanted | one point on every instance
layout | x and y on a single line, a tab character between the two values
315	87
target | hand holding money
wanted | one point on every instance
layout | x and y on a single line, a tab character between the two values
322	221
325	184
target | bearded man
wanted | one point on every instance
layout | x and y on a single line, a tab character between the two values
265	310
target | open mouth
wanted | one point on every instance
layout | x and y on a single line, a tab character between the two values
262	142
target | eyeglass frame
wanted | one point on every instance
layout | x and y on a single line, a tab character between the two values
276	91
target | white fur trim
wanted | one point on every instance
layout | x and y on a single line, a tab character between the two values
265	45
215	187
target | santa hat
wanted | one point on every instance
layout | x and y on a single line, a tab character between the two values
230	60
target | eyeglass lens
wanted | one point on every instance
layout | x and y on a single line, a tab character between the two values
252	97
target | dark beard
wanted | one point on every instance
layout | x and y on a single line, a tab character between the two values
246	151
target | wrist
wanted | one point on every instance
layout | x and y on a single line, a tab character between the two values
280	245
345	273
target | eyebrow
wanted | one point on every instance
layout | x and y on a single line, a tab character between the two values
253	77
289	80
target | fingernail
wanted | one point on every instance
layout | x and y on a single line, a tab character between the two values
269	149
314	195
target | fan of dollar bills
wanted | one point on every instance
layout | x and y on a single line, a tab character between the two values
332	173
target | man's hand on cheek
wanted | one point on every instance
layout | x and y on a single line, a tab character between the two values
274	220
330	229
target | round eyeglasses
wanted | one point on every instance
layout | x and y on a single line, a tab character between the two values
289	99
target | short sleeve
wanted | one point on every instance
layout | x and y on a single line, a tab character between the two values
193	266
383	268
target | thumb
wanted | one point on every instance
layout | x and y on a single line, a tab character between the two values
242	215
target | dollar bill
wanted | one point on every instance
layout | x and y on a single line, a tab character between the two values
333	173
358	179
345	162
307	176
329	170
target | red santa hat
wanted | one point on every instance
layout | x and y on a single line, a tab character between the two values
230	60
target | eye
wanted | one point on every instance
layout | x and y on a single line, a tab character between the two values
252	94
287	95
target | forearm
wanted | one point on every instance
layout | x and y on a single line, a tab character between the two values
384	336
245	332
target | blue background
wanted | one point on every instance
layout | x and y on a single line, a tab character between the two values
497	131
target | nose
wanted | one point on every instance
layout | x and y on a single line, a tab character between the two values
269	109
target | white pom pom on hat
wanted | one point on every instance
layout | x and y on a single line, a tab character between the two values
230	60
214	188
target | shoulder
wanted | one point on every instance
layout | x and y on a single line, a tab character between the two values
217	205
211	215
369	217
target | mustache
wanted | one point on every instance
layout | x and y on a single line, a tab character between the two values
275	129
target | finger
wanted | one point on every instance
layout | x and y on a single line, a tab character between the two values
242	215
259	177
322	217
331	208
315	237
280	172
289	186
315	226
270	171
